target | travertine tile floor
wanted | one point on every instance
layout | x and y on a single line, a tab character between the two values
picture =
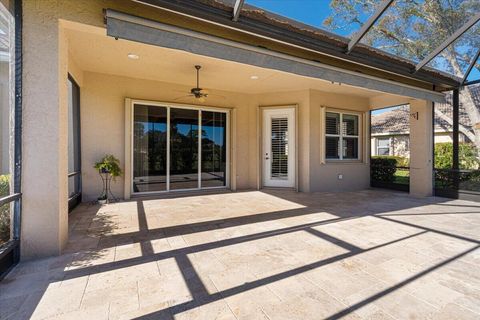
259	255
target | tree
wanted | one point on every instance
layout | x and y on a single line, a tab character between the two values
412	29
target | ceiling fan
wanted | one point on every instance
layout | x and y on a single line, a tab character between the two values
197	92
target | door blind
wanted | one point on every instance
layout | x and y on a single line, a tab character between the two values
279	152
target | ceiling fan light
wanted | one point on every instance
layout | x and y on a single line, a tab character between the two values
133	56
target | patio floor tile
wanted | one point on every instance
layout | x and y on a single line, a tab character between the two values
259	255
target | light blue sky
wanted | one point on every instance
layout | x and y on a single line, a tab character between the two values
312	12
380	111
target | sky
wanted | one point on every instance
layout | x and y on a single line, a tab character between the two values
380	111
312	12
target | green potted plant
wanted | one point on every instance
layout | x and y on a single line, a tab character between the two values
108	168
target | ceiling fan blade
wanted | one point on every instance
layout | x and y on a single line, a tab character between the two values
204	91
216	96
182	91
183	97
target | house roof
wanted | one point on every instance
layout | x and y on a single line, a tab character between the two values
396	121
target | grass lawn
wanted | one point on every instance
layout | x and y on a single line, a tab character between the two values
402	177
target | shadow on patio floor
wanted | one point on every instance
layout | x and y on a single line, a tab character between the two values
272	254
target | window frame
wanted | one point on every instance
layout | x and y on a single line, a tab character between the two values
378	147
342	136
129	181
10	250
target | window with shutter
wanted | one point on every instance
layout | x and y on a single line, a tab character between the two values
279	152
342	136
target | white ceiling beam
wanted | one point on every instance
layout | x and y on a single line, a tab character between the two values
367	25
457	34
237	9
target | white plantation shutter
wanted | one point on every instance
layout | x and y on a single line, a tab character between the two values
279	152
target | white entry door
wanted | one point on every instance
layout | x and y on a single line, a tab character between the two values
278	154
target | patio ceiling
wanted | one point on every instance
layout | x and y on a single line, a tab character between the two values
95	52
152	32
431	67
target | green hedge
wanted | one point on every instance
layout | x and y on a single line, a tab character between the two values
401	161
467	156
4	210
383	169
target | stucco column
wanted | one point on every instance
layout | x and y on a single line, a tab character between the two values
421	164
44	229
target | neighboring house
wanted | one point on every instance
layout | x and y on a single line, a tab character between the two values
390	130
287	105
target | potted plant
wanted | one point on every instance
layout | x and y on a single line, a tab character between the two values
109	169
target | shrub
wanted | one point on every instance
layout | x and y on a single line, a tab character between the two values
401	161
443	155
383	169
467	156
5	209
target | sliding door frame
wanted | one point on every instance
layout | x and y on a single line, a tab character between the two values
129	126
76	198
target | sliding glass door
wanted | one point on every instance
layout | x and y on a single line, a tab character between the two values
183	148
178	148
149	149
214	149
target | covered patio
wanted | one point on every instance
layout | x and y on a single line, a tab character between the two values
259	255
238	143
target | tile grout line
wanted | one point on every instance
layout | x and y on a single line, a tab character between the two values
84	290
138	295
225	301
465	307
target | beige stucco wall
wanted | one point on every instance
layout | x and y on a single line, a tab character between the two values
421	144
324	173
44	183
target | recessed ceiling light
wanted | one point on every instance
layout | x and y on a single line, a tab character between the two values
133	56
254	77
